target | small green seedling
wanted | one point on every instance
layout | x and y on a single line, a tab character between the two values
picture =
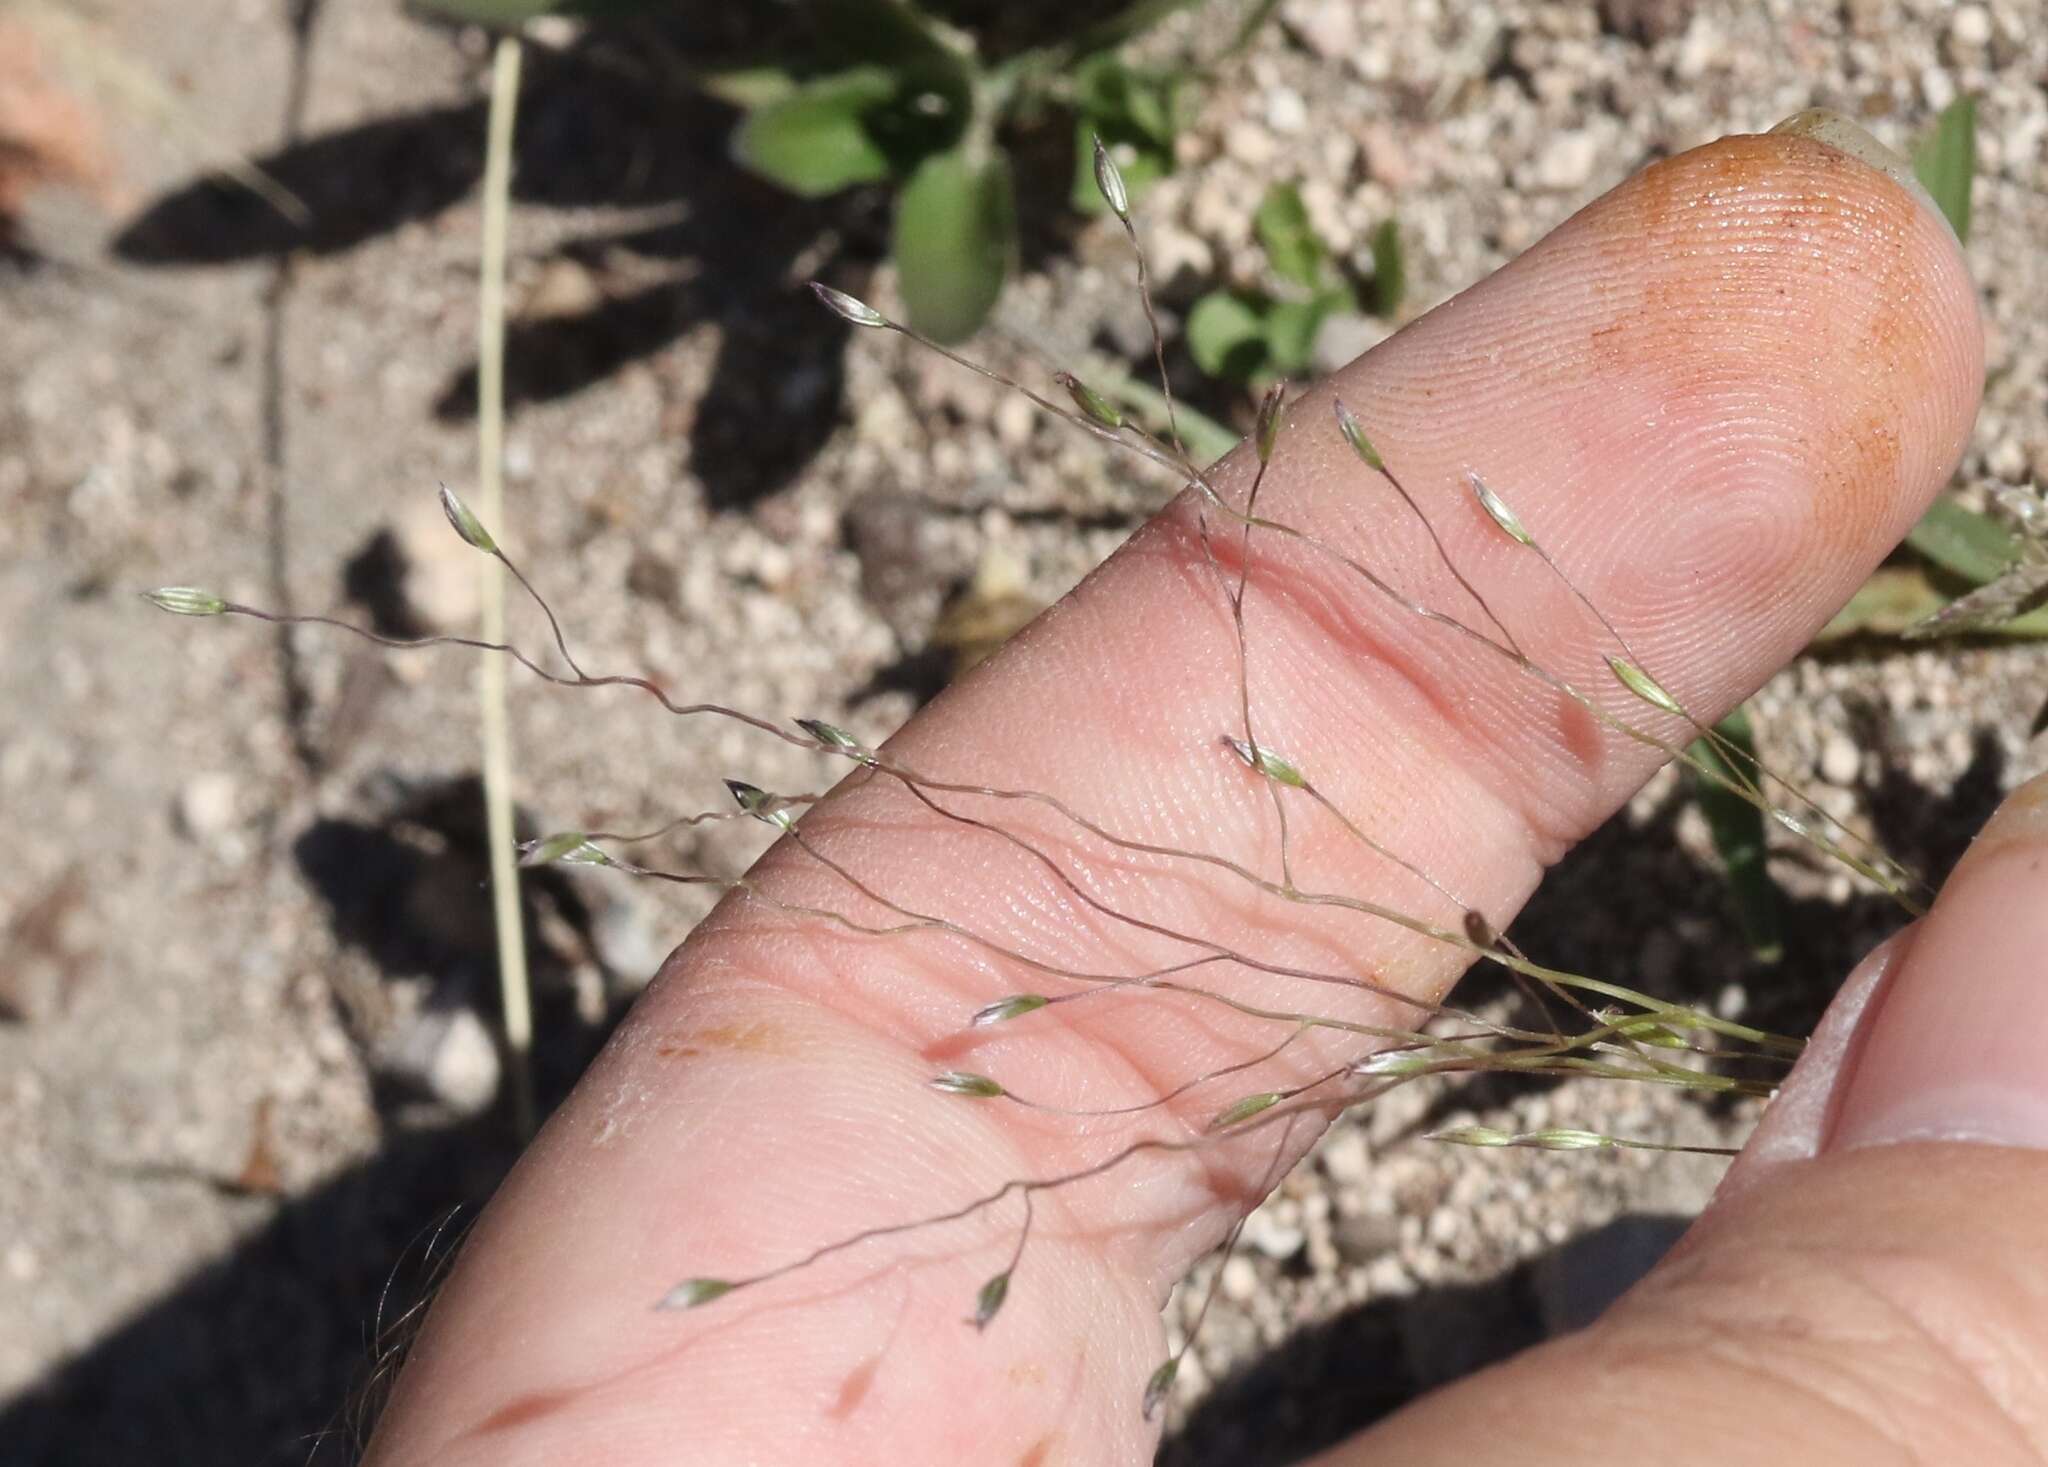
893	94
1256	337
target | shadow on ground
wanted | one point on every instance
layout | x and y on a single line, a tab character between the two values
254	1360
1335	1379
610	120
596	127
266	1358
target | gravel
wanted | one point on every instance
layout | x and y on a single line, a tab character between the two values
241	921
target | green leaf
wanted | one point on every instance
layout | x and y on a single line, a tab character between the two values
1293	248
1738	831
1997	608
1946	161
1133	103
1389	270
956	234
815	141
1894	598
931	63
1226	335
1904	601
1291	328
746	87
891	33
1964	542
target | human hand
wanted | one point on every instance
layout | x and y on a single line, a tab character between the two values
1720	395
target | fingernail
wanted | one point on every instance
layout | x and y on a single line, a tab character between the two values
1955	1046
1844	136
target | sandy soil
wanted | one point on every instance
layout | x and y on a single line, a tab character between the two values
245	964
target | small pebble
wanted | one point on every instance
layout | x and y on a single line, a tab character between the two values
1267	1232
2007	460
206	805
1969	30
1346	1157
1015	421
1328	29
1286	113
1645	22
1841	762
1566	162
441	585
1240	1281
1250	143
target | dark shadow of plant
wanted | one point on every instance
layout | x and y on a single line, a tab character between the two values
648	111
589	135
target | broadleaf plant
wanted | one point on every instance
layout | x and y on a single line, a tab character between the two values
955	238
899	94
913	101
1256	337
815	139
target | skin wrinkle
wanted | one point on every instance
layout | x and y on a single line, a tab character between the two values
1472	709
1203	1178
1316	594
1150	1072
1856	1369
1935	1291
1972	1372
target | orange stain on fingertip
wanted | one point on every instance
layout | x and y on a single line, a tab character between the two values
1766	241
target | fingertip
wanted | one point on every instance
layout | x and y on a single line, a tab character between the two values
1952	1048
1799	269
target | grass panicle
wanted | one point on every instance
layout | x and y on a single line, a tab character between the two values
1599	1028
